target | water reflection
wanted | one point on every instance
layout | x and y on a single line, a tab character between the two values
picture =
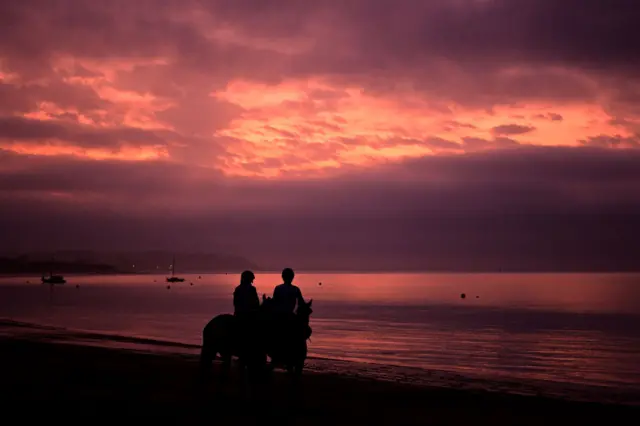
573	328
567	292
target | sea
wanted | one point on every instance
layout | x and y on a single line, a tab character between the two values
572	336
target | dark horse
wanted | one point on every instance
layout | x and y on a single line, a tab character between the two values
227	336
287	343
283	339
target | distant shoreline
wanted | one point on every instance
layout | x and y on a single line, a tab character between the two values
37	276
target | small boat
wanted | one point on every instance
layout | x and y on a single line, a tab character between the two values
173	278
53	279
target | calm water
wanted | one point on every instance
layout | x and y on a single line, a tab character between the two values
568	331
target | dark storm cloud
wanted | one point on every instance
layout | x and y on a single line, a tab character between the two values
523	206
18	98
473	144
517	178
24	129
511	130
428	42
381	34
570	28
615	141
551	116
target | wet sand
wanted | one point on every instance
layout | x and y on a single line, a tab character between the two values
82	384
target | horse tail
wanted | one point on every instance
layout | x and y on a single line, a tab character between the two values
208	351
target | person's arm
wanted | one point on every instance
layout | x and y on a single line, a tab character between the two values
299	296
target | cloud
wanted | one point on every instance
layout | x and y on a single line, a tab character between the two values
328	116
365	41
511	130
444	207
615	141
471	144
17	128
382	70
522	176
549	116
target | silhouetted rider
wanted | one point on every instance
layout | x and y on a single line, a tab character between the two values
287	295
246	304
285	298
245	296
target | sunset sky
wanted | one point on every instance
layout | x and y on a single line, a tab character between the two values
470	132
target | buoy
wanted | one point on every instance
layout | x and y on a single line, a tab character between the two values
462	296
77	285
199	277
168	287
191	283
320	283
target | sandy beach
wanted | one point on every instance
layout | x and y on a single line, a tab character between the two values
73	383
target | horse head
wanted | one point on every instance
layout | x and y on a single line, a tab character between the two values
266	301
266	307
304	310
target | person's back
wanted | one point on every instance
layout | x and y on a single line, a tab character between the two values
246	304
285	298
245	296
287	295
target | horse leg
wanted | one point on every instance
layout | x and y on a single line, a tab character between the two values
207	355
257	366
265	369
298	360
226	365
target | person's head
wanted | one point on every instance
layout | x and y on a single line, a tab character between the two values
247	278
287	275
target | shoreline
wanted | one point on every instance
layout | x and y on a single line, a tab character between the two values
76	378
37	276
11	329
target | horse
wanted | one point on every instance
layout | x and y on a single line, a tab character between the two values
224	336
284	340
287	339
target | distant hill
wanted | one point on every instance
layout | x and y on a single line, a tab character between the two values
25	265
156	261
159	262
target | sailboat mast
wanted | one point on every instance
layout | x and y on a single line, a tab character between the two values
173	266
